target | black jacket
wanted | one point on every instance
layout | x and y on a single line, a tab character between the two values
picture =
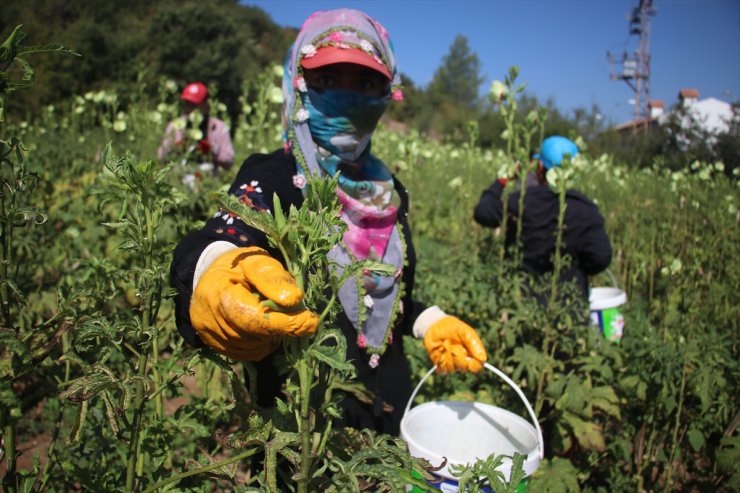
273	173
584	237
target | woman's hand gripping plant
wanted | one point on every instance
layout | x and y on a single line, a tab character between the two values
299	436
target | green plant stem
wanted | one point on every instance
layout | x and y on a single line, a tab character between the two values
329	305
158	399
504	215
139	398
5	241
520	217
139	402
10	481
152	308
200	470
305	379
541	379
677	420
558	260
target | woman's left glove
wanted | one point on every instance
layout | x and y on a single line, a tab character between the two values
229	309
452	344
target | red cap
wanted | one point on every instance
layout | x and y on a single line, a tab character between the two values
328	55
195	93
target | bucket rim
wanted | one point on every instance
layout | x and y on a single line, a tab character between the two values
532	458
540	447
601	298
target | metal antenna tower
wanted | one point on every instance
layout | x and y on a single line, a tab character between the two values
634	68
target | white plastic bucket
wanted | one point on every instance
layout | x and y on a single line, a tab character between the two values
605	304
465	432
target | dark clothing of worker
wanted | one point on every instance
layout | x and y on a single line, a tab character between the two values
584	239
260	176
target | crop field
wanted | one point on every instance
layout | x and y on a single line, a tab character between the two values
99	393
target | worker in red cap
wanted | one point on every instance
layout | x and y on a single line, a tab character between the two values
197	136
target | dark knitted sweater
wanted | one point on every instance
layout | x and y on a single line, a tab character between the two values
584	237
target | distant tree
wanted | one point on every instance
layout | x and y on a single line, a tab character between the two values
728	143
458	79
451	100
192	40
102	32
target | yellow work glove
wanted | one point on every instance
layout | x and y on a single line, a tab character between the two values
226	309
452	344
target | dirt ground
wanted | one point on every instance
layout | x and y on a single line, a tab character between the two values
39	444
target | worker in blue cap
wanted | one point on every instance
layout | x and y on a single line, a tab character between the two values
585	241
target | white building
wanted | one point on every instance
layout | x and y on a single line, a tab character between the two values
713	115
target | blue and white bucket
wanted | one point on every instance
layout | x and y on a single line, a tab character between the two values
465	432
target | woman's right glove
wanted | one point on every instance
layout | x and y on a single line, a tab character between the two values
227	312
452	344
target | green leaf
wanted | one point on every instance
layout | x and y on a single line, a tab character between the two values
15	289
331	357
588	433
377	267
557	475
696	439
278	212
88	386
47	48
110	412
74	435
606	399
728	460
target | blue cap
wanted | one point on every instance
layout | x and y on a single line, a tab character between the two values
554	149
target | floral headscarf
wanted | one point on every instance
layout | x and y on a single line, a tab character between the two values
342	28
369	203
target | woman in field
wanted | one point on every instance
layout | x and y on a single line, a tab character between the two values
339	77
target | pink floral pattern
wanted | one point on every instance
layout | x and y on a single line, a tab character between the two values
299	181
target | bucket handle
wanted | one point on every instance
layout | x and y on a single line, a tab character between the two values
512	384
613	279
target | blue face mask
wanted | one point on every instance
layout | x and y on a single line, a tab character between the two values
342	122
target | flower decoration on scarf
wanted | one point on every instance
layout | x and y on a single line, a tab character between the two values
308	50
299	181
300	84
361	341
302	115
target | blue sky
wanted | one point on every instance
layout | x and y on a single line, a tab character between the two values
559	46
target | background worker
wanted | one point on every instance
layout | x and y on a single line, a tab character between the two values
584	238
214	146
